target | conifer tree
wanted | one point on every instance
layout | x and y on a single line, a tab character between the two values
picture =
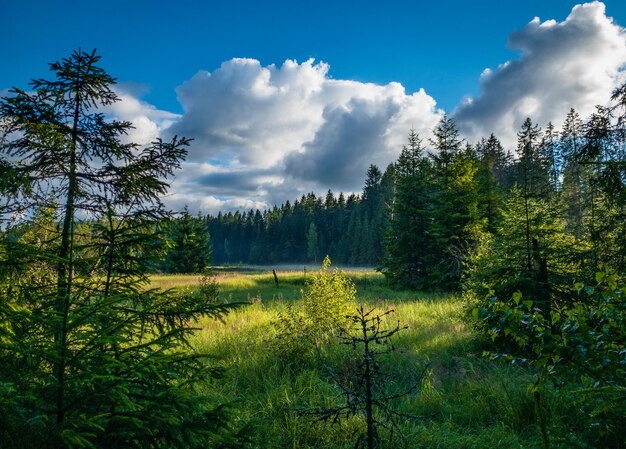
491	178
603	158
312	243
531	253
455	204
191	250
409	240
447	142
91	356
531	171
573	183
550	157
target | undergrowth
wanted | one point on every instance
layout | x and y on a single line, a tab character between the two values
464	401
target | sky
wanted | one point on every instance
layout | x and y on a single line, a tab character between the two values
286	97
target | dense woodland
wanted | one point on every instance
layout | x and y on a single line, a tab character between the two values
424	219
92	356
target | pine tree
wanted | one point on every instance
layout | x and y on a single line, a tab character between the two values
90	355
531	253
191	250
455	205
312	243
603	157
408	240
573	183
550	158
532	175
371	190
446	142
491	178
373	206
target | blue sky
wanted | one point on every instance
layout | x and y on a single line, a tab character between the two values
155	48
441	46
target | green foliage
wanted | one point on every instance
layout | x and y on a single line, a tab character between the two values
584	345
312	244
191	245
531	253
90	355
363	383
491	179
434	219
323	309
464	401
408	241
591	349
456	222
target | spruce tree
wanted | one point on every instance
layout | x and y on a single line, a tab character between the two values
408	240
191	245
550	158
91	356
455	205
531	253
491	176
575	175
312	243
532	175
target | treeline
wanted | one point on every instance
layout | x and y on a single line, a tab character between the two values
469	209
348	229
424	219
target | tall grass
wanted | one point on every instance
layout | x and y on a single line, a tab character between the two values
465	401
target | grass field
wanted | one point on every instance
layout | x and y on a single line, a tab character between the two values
464	400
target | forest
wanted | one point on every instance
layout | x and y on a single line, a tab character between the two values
449	197
528	246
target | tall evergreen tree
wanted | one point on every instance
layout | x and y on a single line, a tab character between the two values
91	356
574	175
531	253
491	178
455	205
603	157
373	210
312	243
532	175
446	142
550	158
191	245
409	240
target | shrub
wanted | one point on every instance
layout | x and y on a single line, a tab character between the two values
584	347
327	300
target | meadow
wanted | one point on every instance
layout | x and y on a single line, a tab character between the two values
463	400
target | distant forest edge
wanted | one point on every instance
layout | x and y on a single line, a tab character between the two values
92	355
447	197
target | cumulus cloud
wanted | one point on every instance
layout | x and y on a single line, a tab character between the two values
570	64
364	131
148	121
268	134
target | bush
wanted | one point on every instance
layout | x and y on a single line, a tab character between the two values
327	300
583	347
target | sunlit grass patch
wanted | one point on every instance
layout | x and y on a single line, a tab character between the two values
465	400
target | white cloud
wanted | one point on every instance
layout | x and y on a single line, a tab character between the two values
267	134
264	135
148	122
575	63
